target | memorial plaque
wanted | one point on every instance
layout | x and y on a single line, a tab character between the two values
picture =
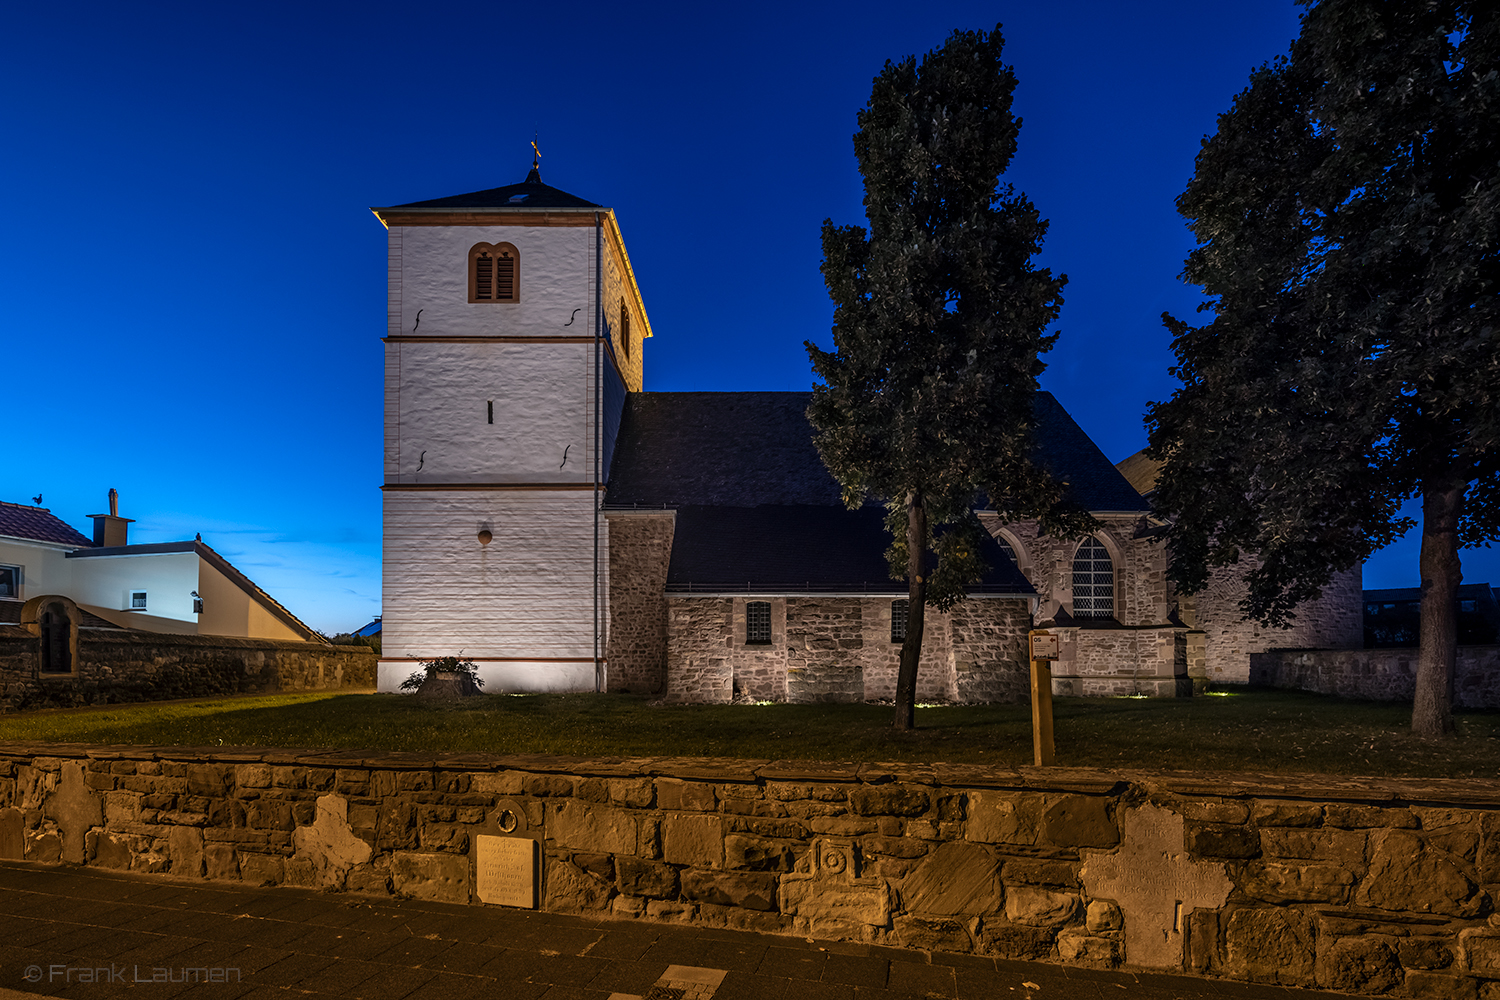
1044	647
505	870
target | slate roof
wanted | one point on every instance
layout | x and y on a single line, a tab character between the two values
530	193
786	548
38	524
745	449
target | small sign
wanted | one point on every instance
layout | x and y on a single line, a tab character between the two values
505	870
1044	647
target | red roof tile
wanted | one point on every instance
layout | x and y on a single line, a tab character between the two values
38	525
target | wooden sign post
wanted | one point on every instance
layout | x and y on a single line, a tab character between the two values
1043	652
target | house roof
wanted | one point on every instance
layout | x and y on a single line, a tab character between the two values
1141	472
530	193
208	555
38	524
790	548
745	449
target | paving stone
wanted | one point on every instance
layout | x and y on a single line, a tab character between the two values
927	979
855	970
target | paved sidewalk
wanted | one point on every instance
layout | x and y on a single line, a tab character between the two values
90	934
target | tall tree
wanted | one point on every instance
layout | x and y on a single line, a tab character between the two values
939	318
1346	213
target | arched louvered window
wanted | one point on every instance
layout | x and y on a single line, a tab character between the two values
1093	581
494	273
758	623
898	620
1004	544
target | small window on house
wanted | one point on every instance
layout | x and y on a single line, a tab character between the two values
494	273
758	623
1467	605
10	581
625	327
1093	581
898	621
137	600
197	605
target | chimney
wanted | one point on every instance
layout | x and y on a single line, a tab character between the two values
111	529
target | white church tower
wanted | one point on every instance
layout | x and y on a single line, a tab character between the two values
515	330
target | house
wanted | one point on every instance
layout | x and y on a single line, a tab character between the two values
171	587
566	530
1393	617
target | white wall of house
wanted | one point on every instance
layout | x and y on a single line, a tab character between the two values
168	578
230	610
45	569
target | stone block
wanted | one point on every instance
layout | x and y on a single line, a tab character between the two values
570	889
637	793
1293	883
185	847
1358	817
545	785
261	869
1408	875
12	835
1479	951
1026	904
1441	986
1004	818
692	839
252	776
1016	941
894	847
956	879
759	854
498	783
219	862
670	912
1281	812
1424	953
1102	917
440	877
1078	948
1080	821
105	850
931	933
1206	841
842	826
889	800
1267	946
1357	965
208	779
833	904
1325	846
751	890
374	879
635	877
586	826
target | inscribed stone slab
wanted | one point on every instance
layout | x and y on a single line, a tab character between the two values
505	870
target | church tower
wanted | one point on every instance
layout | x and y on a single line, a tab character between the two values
515	331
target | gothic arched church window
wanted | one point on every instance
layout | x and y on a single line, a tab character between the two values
494	273
1093	581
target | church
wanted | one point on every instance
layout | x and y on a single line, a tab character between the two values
547	518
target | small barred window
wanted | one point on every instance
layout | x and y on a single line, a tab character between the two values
898	621
758	623
494	273
1093	581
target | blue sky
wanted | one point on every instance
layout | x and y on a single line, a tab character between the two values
194	286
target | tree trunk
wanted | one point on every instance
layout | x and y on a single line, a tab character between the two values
916	604
1432	708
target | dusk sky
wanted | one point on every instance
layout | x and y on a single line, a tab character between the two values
194	286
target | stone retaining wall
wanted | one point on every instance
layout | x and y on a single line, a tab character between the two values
1377	674
119	666
1359	885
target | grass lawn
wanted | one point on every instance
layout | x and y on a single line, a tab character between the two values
1252	730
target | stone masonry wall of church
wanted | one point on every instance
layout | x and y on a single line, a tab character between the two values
988	640
1143	596
640	550
1333	621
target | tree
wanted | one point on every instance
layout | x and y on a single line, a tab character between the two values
939	319
1346	214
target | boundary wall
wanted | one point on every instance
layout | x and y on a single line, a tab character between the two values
1360	885
1377	674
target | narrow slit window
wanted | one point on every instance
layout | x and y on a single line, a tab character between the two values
1093	581
491	407
625	328
494	273
898	620
758	623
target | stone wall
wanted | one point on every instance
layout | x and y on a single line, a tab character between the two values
1335	620
839	649
1116	660
121	666
640	550
1377	674
1360	885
